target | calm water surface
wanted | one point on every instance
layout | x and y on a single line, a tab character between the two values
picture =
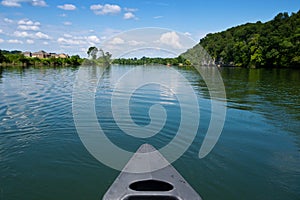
256	157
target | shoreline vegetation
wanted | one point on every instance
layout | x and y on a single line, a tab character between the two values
273	44
17	58
178	61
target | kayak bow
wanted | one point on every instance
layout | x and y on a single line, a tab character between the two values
162	184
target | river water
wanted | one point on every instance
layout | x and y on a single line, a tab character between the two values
256	157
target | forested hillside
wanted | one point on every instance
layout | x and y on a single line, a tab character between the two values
275	43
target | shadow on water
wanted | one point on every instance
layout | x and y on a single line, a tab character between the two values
271	93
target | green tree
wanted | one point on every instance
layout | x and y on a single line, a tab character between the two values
92	52
2	57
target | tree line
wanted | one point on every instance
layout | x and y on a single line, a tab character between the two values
147	61
16	58
275	43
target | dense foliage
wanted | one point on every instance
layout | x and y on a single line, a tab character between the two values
146	61
272	44
97	57
16	58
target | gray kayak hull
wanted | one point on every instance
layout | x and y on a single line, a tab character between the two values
161	184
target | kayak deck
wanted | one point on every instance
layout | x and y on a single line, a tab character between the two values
161	184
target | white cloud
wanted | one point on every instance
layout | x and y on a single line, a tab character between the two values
28	25
17	3
170	38
23	34
83	49
1	40
188	34
29	41
1	31
41	35
70	41
28	28
10	3
116	41
67	23
67	7
135	43
15	41
96	7
28	22
105	9
129	15
8	20
78	40
93	39
130	9
45	43
63	15
40	3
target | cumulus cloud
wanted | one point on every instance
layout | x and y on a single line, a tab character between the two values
188	34
130	9
28	25
93	39
99	9
15	41
17	3
129	15
67	7
28	28
78	40
135	43
24	34
41	35
10	3
69	41
28	22
170	38
1	40
40	3
1	31
117	41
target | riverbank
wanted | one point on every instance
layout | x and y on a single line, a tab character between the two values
16	58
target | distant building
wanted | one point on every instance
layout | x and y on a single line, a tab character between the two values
63	55
44	54
53	55
27	54
40	54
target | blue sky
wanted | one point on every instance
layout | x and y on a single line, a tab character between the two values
73	26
